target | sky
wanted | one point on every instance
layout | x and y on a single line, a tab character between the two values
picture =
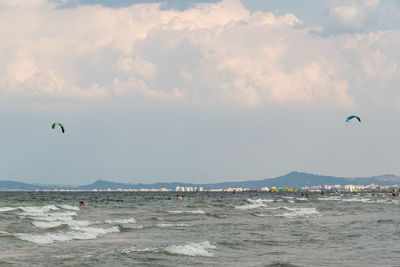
197	91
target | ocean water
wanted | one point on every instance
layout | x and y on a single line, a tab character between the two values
212	229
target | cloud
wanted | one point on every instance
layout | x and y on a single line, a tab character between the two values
213	52
349	16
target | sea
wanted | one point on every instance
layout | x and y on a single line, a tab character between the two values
203	229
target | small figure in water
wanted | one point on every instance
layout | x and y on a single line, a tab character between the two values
82	204
178	197
306	195
393	194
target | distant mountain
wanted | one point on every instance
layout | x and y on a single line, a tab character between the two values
293	179
17	186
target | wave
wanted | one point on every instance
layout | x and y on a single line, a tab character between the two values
121	221
259	200
130	227
299	212
254	204
218	215
68	207
83	233
138	249
3	209
202	249
198	211
63	217
52	224
330	198
259	214
364	200
192	249
39	210
165	225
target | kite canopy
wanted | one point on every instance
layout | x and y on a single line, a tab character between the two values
349	118
57	123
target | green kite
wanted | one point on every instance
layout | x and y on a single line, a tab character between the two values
55	124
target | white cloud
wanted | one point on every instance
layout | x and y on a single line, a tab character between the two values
350	16
217	52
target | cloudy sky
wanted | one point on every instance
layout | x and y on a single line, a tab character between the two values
197	91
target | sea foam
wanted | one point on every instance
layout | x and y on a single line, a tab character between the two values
3	209
299	212
192	249
121	221
199	211
166	225
68	207
83	233
254	204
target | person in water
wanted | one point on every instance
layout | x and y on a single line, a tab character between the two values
393	194
82	204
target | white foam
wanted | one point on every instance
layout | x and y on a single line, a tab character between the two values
137	249
254	204
166	225
121	221
47	224
299	212
329	198
199	211
259	200
39	210
83	233
192	249
364	200
2	209
68	207
134	226
55	223
53	217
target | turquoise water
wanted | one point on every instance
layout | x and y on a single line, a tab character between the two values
218	229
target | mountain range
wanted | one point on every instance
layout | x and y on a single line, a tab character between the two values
293	179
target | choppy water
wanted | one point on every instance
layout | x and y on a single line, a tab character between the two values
242	229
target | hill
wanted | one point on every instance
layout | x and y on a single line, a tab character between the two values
293	179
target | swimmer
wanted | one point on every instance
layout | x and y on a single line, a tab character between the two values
82	204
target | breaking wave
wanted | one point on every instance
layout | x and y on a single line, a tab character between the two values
254	204
199	211
192	249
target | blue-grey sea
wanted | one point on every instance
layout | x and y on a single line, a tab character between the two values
204	229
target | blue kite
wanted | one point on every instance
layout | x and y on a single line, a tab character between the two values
349	118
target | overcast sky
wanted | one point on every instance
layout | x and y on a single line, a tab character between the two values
197	91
